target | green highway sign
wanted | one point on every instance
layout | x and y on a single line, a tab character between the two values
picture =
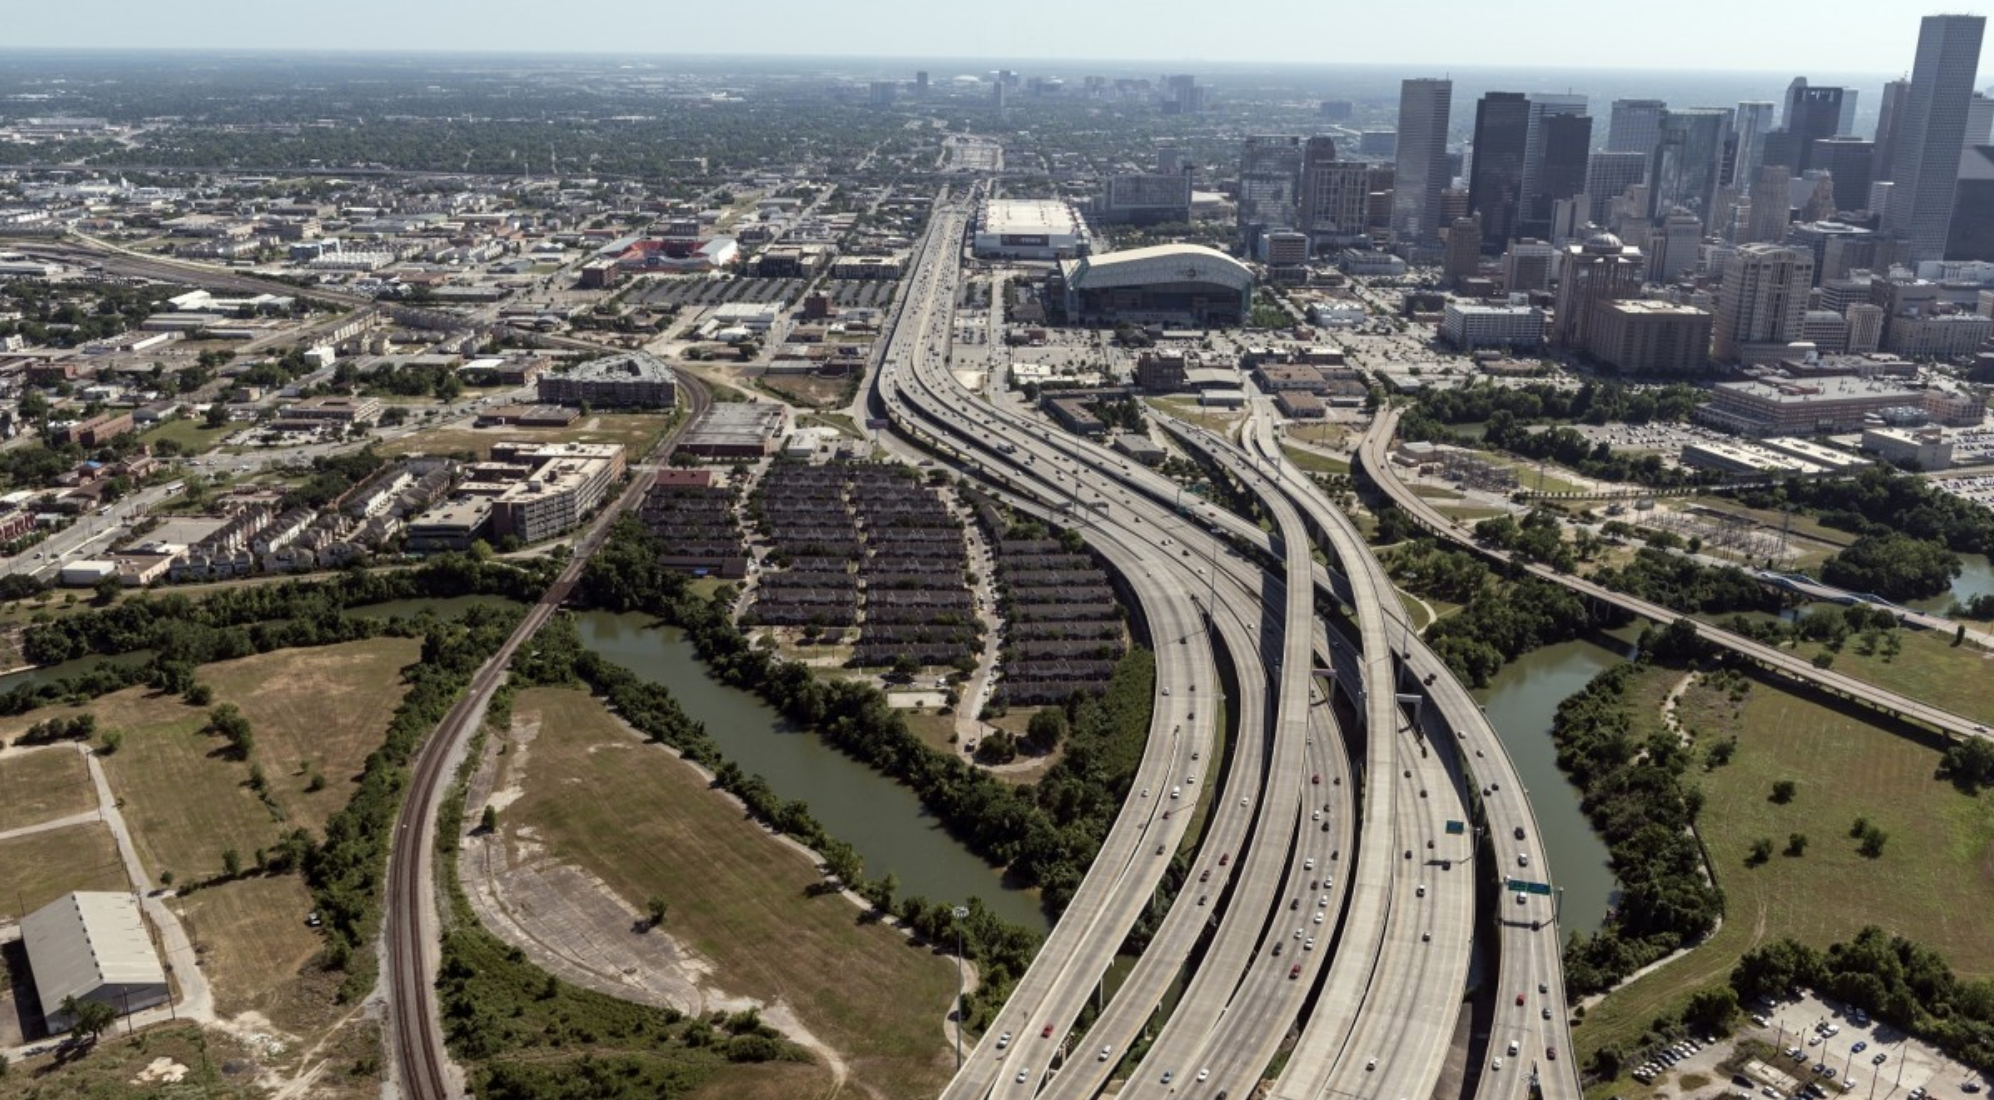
1523	886
1456	828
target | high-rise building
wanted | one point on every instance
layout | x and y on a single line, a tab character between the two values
921	83
1563	146
1422	156
1972	234
1182	95
1147	198
1847	161
1752	123
1889	117
1689	162
1681	240
1464	250
1812	114
1608	176
1600	270
1635	126
1169	160
881	93
1926	164
1270	183
1335	197
1495	183
1979	122
1543	107
1526	266
1761	301
1847	124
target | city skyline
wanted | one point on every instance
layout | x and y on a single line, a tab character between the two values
1039	29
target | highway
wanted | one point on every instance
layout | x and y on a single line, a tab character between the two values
1373	455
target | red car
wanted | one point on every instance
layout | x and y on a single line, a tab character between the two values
1316	779
1294	971
1519	998
1047	1033
1551	1053
1224	858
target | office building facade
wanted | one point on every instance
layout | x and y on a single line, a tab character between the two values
1761	301
1495	182
1608	176
1689	162
1270	182
1933	129
1635	126
1421	172
1600	270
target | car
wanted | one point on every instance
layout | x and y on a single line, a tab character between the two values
1519	998
1420	890
1370	1063
1318	916
1547	1012
1168	1074
1820	1067
1323	901
1969	1086
1225	858
1828	1072
1308	944
1426	937
1003	1040
1202	897
1514	1046
1880	1058
1277	948
1166	689
1523	859
1519	832
1294	971
1860	1046
1047	1033
1159	849
1024	1075
1815	1040
1496	1065
1298	933
1551	1053
1105	1051
1205	875
1204	1074
1316	779
1308	864
1759	1020
1295	904
1519	898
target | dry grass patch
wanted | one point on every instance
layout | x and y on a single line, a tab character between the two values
636	431
111	1068
41	867
251	937
185	802
768	1081
44	785
649	825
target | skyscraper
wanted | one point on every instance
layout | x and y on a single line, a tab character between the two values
1753	121
1608	176
1688	163
1762	300
1555	167
1335	200
1495	183
1847	161
1635	126
1270	181
1544	107
1979	122
1812	114
1927	157
1601	269
1422	157
1772	204
1972	235
1888	128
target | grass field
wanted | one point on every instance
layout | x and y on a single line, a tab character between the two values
1929	668
253	942
185	803
808	390
41	867
636	431
1316	463
651	826
44	785
189	433
1934	882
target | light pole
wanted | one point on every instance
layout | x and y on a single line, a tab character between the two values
960	914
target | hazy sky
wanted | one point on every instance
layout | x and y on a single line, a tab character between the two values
1822	35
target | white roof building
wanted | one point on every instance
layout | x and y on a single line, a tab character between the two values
92	946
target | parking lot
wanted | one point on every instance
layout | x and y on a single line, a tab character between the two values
1819	1052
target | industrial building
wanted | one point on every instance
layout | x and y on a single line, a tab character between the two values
631	379
92	946
738	429
1828	458
1029	229
1743	458
1923	449
1168	283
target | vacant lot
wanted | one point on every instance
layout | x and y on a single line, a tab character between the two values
808	391
1933	883
111	1069
636	431
41	867
190	434
186	801
43	785
649	825
1316	463
252	939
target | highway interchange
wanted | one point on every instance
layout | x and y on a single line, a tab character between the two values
1375	991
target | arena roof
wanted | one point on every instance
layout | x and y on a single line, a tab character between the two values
1163	263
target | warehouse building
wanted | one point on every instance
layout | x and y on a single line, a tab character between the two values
737	429
92	946
1167	284
1029	229
632	379
1743	458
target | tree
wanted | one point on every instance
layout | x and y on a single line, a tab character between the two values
199	695
93	1018
488	821
906	666
1761	851
1873	840
1047	729
107	590
1711	1009
1796	844
216	416
111	742
1784	790
656	910
1894	565
231	862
